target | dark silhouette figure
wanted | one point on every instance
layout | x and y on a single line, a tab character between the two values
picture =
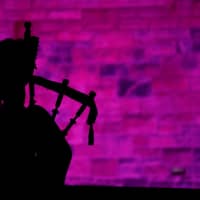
35	156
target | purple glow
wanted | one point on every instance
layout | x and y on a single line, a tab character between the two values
144	64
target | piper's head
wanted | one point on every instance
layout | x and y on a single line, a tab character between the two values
17	63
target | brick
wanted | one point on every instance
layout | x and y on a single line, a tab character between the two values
167	128
54	4
46	36
162	142
192	21
164	105
157	171
124	85
161	47
109	56
183	140
74	33
196	185
54	59
138	123
142	12
140	141
66	4
178	157
44	25
97	25
98	14
108	70
65	15
189	102
138	53
135	3
168	23
195	32
195	171
149	105
17	5
132	24
95	19
97	151
170	80
189	62
181	11
195	9
142	90
124	144
161	184
193	84
184	46
195	140
81	52
196	47
88	3
110	127
114	39
6	26
15	15
61	47
38	15
56	54
134	182
80	167
104	167
197	155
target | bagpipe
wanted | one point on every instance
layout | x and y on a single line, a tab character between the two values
87	100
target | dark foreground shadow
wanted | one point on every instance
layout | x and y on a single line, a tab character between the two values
125	192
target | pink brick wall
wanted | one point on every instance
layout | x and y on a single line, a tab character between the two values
142	57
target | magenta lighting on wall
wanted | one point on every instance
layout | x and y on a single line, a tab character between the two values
143	59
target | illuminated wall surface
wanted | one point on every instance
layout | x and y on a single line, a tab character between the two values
142	57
